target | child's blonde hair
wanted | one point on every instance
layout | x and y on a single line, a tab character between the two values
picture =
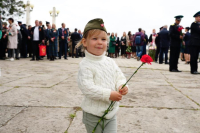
89	34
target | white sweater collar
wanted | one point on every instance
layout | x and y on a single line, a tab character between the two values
94	57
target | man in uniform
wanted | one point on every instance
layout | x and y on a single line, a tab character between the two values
175	44
63	41
25	36
195	43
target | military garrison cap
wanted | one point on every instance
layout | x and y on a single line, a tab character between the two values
179	17
197	14
47	22
95	24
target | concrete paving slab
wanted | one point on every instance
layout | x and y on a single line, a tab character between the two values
39	120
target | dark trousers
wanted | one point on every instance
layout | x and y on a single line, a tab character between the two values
174	56
157	52
194	53
29	48
116	51
2	49
23	50
165	51
63	49
144	49
35	46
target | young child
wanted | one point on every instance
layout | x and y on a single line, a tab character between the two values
99	79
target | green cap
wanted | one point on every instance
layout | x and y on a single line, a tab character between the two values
95	24
179	17
197	14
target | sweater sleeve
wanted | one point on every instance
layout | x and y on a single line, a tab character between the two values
89	88
120	78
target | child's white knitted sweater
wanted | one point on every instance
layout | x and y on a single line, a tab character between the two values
97	77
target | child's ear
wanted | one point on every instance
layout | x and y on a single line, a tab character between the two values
84	42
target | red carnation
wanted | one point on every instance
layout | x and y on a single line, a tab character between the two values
180	28
146	59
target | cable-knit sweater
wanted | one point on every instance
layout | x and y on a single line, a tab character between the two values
97	77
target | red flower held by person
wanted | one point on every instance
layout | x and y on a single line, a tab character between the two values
180	28
146	59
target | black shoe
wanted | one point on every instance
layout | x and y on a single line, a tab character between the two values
38	59
175	70
160	63
17	58
32	60
66	59
55	58
167	63
156	62
72	57
195	72
59	57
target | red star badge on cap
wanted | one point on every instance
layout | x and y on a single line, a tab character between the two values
102	25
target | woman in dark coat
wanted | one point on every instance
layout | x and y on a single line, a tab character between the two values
53	36
123	45
186	43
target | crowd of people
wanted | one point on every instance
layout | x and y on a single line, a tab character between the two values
61	43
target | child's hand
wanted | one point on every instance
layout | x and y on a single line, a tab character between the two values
123	91
115	96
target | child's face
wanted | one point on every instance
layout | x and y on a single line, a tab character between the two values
96	44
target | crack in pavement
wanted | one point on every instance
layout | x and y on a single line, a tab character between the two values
198	104
4	124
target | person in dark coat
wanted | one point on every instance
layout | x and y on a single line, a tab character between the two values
164	44
75	37
53	37
38	37
157	42
175	44
63	41
186	43
25	34
4	41
117	46
145	43
29	42
19	38
195	43
46	35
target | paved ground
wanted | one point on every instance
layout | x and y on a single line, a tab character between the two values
43	97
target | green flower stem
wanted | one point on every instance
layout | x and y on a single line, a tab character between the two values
113	102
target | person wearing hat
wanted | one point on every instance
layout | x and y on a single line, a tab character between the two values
195	43
63	41
175	44
4	41
99	79
186	43
25	36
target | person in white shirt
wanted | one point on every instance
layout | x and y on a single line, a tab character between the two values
38	38
99	79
